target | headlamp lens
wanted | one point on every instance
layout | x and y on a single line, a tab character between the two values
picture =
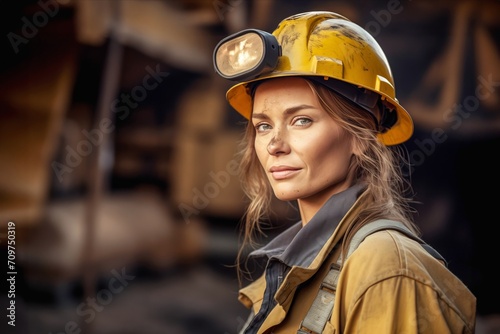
246	55
240	54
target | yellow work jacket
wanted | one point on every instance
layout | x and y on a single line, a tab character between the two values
390	283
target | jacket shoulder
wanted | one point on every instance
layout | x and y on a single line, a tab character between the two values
388	252
389	259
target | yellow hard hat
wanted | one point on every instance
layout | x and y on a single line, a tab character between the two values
321	45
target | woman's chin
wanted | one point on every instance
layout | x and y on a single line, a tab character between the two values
287	195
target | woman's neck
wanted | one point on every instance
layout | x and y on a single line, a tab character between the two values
309	206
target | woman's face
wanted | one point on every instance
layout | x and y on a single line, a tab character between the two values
304	152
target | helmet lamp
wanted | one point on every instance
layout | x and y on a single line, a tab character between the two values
245	55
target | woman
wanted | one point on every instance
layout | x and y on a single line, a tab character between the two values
323	130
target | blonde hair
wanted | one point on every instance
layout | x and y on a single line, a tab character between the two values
377	166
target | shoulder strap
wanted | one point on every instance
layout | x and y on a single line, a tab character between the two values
322	306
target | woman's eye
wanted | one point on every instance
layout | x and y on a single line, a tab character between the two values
302	121
261	127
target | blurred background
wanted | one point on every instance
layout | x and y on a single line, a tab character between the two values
117	167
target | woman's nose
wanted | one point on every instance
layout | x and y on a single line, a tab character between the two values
277	146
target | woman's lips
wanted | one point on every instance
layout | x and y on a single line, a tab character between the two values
283	172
